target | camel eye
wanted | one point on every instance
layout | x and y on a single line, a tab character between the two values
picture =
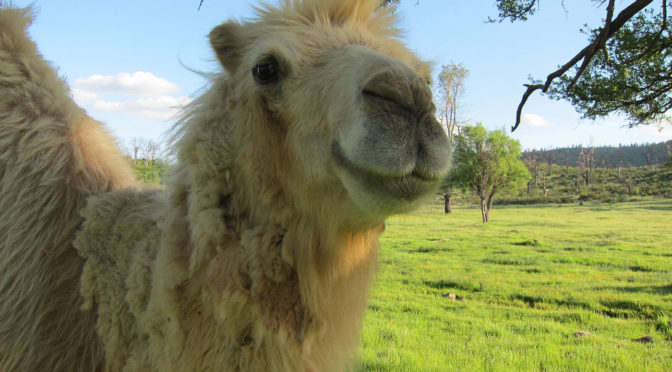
266	71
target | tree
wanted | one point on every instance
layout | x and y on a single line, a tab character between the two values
545	170
485	164
451	88
145	156
150	151
586	164
135	145
532	161
625	68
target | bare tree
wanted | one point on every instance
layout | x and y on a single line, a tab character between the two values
545	171
531	161
451	88
586	164
136	144
150	151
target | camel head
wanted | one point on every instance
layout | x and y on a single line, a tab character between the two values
332	113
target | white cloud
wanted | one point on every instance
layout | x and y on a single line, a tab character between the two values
83	97
138	83
662	131
139	94
163	108
536	121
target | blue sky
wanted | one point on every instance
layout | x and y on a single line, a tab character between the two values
125	61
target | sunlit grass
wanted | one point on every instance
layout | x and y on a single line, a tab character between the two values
530	279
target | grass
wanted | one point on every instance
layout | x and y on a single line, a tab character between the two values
528	280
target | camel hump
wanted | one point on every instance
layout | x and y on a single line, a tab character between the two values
53	157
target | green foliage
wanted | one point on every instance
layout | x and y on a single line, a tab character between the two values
486	163
625	67
527	282
384	3
150	171
634	78
514	10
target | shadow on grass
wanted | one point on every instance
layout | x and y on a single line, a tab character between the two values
660	290
448	284
431	250
603	264
373	366
568	303
528	243
658	208
512	261
625	309
622	309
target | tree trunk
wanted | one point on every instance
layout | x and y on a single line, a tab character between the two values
485	212
447	203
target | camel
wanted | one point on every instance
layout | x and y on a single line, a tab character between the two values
259	253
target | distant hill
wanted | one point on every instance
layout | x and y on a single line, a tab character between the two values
606	156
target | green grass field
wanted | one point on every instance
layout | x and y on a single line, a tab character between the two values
529	280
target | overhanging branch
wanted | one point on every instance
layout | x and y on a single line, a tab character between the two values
586	54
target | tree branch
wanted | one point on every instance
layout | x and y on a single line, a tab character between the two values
600	42
587	53
527	10
663	26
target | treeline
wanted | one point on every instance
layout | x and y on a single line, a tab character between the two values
635	155
553	183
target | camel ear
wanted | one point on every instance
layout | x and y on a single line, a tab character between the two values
226	40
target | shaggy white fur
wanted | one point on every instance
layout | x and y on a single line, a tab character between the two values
259	255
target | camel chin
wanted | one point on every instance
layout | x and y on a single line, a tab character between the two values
381	195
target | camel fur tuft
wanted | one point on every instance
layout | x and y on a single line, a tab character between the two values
259	254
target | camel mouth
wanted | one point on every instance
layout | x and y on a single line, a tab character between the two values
409	186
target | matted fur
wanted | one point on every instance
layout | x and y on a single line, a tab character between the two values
259	255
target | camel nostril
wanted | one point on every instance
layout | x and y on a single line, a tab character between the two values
400	88
389	86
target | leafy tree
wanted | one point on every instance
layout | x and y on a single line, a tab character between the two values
150	171
625	68
485	164
144	157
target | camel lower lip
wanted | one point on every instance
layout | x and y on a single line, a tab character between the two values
407	187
